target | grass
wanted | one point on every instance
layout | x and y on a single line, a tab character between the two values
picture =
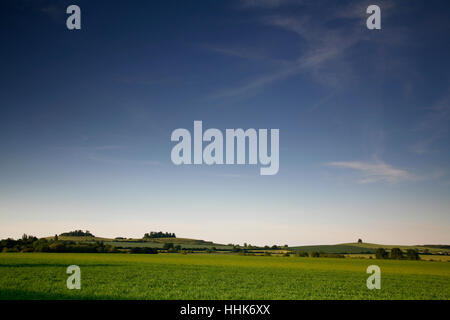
216	276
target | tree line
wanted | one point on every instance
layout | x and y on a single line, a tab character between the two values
33	244
397	254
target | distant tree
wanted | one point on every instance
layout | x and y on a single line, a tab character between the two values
211	250
360	241
380	253
56	237
168	246
110	249
301	254
41	245
27	239
146	250
396	253
412	254
236	249
331	255
57	246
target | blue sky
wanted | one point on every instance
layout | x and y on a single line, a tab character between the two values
86	118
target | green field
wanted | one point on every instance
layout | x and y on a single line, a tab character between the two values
216	276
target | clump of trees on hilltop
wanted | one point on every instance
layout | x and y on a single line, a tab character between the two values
77	233
159	234
397	254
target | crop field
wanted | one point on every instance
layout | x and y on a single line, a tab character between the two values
216	276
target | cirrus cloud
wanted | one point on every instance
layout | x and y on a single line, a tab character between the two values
377	171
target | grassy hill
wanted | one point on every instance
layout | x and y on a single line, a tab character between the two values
159	243
151	242
361	248
421	248
344	248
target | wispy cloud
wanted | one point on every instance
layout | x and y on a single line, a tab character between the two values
326	36
258	82
377	171
323	46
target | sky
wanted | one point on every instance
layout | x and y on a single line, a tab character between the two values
86	118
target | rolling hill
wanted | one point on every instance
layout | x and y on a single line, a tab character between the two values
344	248
139	242
421	248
